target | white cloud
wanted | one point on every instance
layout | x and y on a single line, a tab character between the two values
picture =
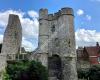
33	14
5	14
88	17
27	44
30	29
87	37
84	15
1	38
29	25
80	12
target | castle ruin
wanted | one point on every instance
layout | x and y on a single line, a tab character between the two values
12	36
57	44
11	41
56	47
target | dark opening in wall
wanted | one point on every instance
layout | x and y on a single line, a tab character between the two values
69	43
40	23
0	47
55	67
56	42
53	28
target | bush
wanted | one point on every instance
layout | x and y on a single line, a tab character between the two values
83	73
26	70
94	73
90	74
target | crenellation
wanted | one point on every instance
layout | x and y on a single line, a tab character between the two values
50	17
43	14
67	11
56	46
63	11
56	15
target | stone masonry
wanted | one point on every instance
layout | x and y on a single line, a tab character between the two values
11	41
12	36
57	44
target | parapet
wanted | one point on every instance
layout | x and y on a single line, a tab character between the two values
64	11
50	17
57	14
67	11
43	13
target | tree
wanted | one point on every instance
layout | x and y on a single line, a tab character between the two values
94	73
90	74
83	73
26	70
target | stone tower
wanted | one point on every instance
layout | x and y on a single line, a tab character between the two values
57	39
11	41
12	36
43	31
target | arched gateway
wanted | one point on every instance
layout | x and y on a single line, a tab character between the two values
59	40
55	68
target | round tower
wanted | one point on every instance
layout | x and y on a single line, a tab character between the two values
66	32
43	31
68	47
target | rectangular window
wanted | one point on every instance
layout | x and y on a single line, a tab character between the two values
99	59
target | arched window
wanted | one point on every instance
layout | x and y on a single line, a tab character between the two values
15	35
69	43
53	28
56	42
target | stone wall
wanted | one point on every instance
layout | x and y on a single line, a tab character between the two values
11	41
57	38
40	57
56	48
12	36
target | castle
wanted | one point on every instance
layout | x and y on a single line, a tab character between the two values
56	46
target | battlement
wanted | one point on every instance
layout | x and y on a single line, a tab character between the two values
43	14
64	11
50	16
67	11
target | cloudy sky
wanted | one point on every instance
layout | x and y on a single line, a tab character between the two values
87	19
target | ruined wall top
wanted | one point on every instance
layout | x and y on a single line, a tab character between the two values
43	13
13	19
12	36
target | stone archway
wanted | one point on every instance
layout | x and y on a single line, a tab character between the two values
55	67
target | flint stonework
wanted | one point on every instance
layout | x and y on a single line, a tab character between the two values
57	43
12	36
11	41
56	47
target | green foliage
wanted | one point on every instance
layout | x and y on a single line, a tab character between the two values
26	70
92	74
41	73
6	76
83	73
